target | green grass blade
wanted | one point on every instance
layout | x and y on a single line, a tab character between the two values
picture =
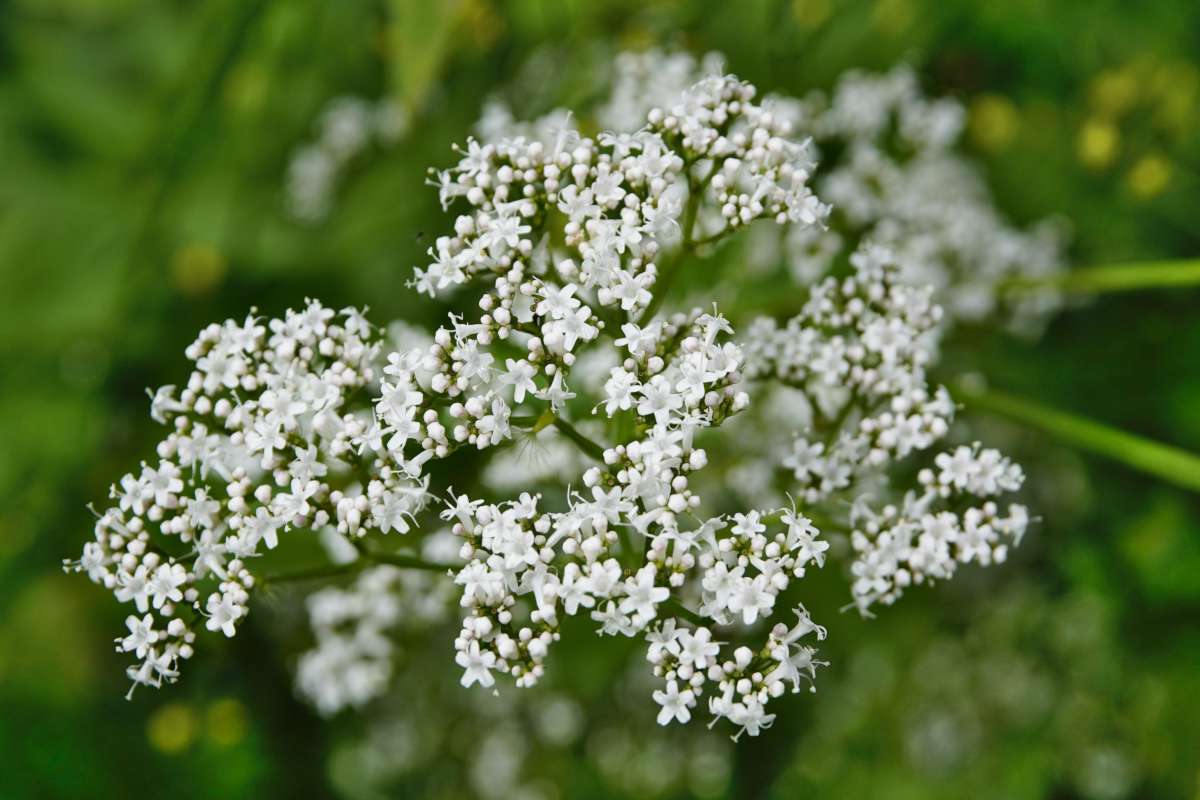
1133	276
1171	464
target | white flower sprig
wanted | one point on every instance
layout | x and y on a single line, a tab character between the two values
889	168
571	244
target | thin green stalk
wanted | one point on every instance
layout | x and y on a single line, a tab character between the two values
367	558
1126	277
523	420
1171	464
410	562
667	276
678	609
532	422
317	573
585	444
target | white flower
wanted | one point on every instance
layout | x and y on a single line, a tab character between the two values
164	585
476	665
520	375
223	613
696	648
142	635
750	597
642	596
675	704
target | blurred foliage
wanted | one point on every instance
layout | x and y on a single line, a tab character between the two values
145	146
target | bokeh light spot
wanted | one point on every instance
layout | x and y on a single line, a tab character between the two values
172	728
227	722
993	122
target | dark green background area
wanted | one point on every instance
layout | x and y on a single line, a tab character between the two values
144	147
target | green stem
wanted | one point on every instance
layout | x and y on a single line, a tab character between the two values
318	573
678	609
410	562
367	558
547	418
1116	278
585	444
534	423
688	226
1171	464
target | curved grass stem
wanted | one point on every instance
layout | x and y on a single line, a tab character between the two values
1171	464
1128	277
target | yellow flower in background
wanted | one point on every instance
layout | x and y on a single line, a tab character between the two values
1098	143
993	122
810	14
1149	176
172	728
197	268
1114	91
227	722
247	88
1178	111
893	17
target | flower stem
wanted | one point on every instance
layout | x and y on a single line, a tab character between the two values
410	562
316	573
1116	278
367	558
1169	463
688	226
585	444
678	609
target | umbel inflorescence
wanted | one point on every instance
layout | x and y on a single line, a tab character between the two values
885	160
315	422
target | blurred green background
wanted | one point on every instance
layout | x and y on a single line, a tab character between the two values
145	147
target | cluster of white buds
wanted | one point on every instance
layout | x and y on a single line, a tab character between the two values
263	440
857	352
895	180
928	534
347	126
900	184
571	243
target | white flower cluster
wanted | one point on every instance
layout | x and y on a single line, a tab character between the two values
858	352
612	202
347	126
352	661
572	243
900	184
640	507
265	438
924	538
896	181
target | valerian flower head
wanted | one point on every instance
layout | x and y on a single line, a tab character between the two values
884	158
568	245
